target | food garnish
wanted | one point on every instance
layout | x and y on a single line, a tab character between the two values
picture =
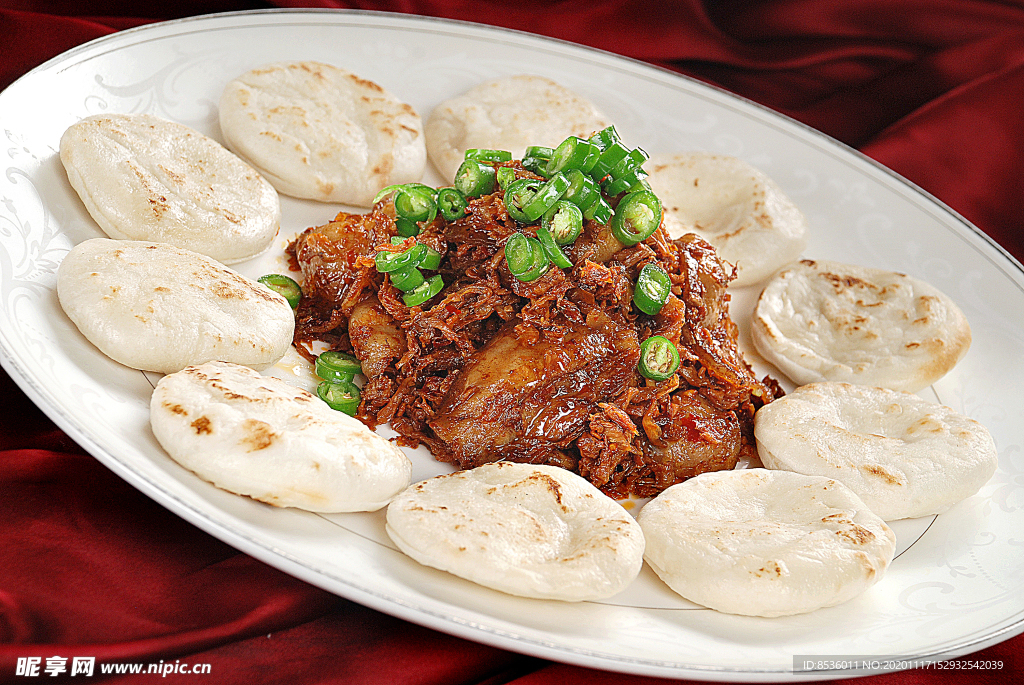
285	286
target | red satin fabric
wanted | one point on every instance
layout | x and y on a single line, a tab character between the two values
90	567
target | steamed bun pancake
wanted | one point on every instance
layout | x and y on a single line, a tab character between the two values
258	436
743	213
903	456
529	530
827	321
157	307
510	113
765	543
320	132
145	178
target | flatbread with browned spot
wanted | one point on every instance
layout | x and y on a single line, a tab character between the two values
904	456
528	530
156	307
765	543
258	436
826	321
751	222
320	132
510	114
145	178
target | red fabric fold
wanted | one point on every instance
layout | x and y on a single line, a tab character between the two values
91	567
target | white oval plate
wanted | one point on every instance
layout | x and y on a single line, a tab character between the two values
956	585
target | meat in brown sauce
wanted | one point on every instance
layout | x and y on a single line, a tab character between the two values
544	372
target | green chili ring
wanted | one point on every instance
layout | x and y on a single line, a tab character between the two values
573	153
393	261
341	396
337	366
505	176
474	178
551	249
525	257
431	260
652	289
406	228
614	154
628	182
406	279
564	221
604	138
539	151
487	155
425	291
582	189
637	217
659	358
451	203
546	197
520	193
415	204
285	286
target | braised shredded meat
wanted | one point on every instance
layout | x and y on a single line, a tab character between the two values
544	372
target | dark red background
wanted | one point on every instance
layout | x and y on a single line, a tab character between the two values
88	566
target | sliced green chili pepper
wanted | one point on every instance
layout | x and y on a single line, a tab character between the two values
642	184
637	216
393	261
505	175
535	164
285	286
599	210
653	286
564	221
573	153
415	204
407	227
485	155
406	279
582	189
612	155
632	160
630	181
426	290
474	178
538	151
525	257
518	195
551	249
385	191
604	138
546	197
431	260
659	358
451	203
342	396
337	366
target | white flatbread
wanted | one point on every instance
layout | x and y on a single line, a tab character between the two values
528	530
765	543
156	307
510	114
145	178
258	436
826	321
903	456
321	132
743	213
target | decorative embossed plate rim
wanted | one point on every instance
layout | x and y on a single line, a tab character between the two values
955	586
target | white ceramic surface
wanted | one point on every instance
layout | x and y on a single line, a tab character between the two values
957	584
